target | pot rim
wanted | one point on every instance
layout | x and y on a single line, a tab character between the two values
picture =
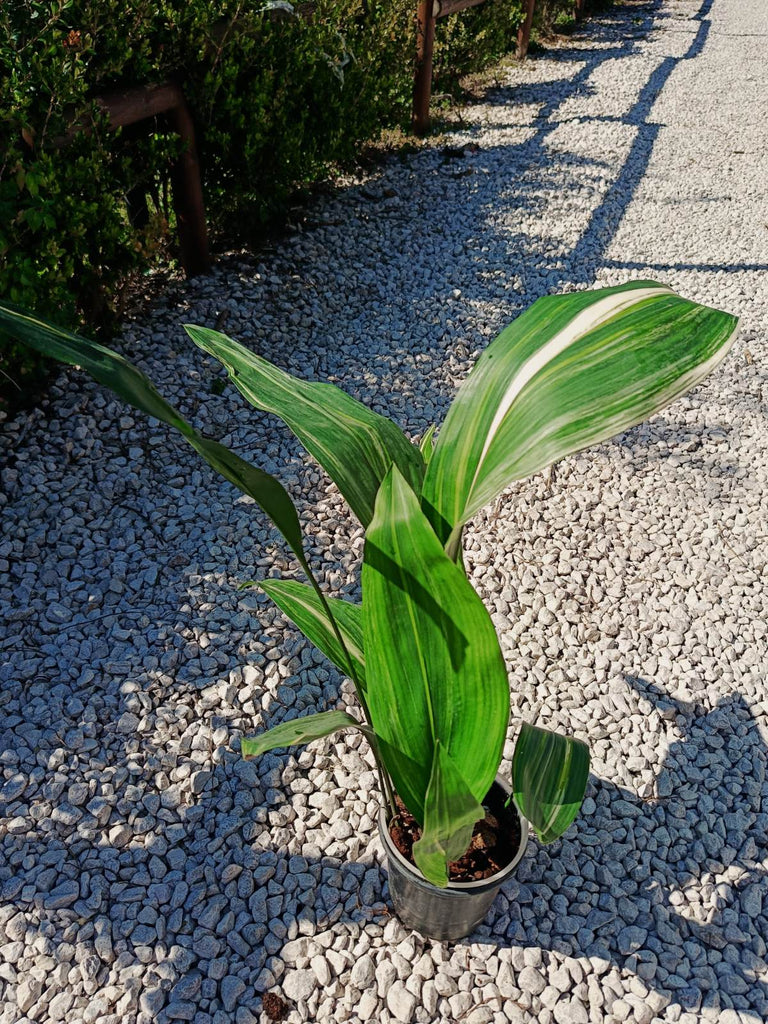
482	883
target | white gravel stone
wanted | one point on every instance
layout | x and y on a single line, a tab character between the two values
299	984
401	1003
27	993
480	1015
429	997
445	985
569	1011
59	1006
369	1006
531	980
386	976
507	982
363	973
322	971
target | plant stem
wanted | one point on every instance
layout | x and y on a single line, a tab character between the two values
453	545
385	783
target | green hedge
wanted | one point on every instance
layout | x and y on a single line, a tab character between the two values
278	98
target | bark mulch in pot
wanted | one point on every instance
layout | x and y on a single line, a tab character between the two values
495	841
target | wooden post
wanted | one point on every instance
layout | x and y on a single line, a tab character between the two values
188	194
524	32
422	84
132	105
428	13
578	10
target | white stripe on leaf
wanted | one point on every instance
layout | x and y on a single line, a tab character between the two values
587	320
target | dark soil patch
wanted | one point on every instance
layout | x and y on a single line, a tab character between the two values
274	1007
495	839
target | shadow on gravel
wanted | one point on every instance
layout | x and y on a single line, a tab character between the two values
681	884
217	926
159	906
672	888
706	452
498	269
589	252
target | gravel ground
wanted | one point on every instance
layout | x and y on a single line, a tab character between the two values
146	872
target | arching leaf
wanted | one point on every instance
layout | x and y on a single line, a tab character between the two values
549	778
298	730
354	445
571	371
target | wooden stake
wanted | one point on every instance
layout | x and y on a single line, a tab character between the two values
524	32
422	84
167	98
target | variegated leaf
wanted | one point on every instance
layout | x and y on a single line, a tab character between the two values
302	605
354	445
130	384
298	730
427	443
571	371
433	662
549	778
450	813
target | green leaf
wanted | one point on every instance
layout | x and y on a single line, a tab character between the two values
549	778
298	730
355	446
302	605
427	444
130	384
450	813
433	662
573	370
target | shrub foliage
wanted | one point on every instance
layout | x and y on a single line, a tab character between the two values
277	97
278	93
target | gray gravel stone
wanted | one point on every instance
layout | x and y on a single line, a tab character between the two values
151	1001
187	987
231	990
180	1010
63	895
631	939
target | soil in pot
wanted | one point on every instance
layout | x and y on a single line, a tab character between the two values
495	840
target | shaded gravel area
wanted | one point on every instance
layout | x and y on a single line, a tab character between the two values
146	872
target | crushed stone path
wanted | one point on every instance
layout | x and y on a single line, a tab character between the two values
147	874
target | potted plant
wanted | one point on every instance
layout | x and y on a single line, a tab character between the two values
421	648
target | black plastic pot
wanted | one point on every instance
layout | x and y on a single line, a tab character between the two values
455	911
